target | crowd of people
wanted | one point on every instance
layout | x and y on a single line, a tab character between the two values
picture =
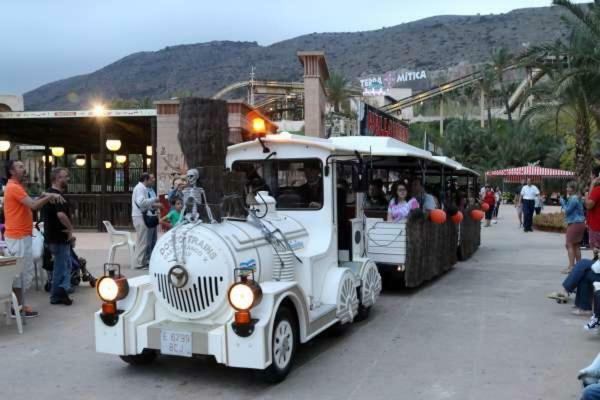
18	232
146	214
58	238
582	217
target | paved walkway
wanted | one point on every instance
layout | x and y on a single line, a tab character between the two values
483	331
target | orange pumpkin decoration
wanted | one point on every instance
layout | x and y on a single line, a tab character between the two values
485	206
477	215
437	216
457	218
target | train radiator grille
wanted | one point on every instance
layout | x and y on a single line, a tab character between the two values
197	295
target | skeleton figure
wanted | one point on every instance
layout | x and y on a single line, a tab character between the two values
193	198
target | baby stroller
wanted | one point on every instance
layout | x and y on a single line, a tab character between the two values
79	271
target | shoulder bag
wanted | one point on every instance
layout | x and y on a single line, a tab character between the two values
151	221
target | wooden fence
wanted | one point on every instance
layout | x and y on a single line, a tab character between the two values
89	210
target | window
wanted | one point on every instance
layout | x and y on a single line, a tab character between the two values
295	183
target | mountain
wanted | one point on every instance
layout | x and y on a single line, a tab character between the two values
435	43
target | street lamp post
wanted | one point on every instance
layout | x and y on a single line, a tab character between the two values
99	113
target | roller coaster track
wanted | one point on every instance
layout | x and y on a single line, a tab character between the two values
514	101
438	90
273	89
263	87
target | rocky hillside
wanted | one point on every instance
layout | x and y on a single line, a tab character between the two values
202	69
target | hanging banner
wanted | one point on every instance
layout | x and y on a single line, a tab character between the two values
374	122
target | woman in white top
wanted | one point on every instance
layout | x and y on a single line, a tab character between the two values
498	194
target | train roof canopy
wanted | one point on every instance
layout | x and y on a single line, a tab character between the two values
367	146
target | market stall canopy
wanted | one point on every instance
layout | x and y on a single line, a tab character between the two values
531	171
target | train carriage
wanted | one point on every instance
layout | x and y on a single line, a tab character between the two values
415	250
249	289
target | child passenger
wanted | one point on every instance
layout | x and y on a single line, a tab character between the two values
172	218
399	207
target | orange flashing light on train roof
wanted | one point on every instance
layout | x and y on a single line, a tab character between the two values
258	126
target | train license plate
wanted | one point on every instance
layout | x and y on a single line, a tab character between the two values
176	343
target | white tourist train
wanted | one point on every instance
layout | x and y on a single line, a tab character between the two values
249	290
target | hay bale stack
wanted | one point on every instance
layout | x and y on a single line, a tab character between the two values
470	236
431	250
203	131
203	137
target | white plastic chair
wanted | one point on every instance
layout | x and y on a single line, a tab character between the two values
37	247
10	267
120	239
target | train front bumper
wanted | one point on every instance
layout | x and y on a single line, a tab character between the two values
185	339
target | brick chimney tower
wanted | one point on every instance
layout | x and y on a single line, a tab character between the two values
315	97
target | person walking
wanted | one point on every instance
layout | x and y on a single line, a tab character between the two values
519	208
141	204
575	219
19	227
498	195
592	204
529	193
58	234
489	198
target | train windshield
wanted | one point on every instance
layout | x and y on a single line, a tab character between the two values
296	184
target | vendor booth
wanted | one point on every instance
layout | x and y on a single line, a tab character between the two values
551	181
536	173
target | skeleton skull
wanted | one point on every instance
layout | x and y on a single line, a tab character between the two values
192	177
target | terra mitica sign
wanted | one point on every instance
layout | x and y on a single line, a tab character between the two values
374	122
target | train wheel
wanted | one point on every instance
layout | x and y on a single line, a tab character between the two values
347	303
147	357
283	346
370	287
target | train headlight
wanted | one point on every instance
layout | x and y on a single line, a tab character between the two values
244	295
111	288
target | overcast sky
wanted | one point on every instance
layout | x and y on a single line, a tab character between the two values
45	40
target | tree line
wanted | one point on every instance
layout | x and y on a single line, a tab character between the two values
559	116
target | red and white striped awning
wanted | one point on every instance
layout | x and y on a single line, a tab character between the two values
531	171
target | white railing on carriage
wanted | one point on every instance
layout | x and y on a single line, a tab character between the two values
385	241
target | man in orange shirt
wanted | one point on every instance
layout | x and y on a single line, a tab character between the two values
19	226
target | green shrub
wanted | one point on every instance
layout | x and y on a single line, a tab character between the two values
508	197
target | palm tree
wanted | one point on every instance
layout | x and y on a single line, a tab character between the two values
486	85
502	59
468	143
337	90
569	103
571	95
